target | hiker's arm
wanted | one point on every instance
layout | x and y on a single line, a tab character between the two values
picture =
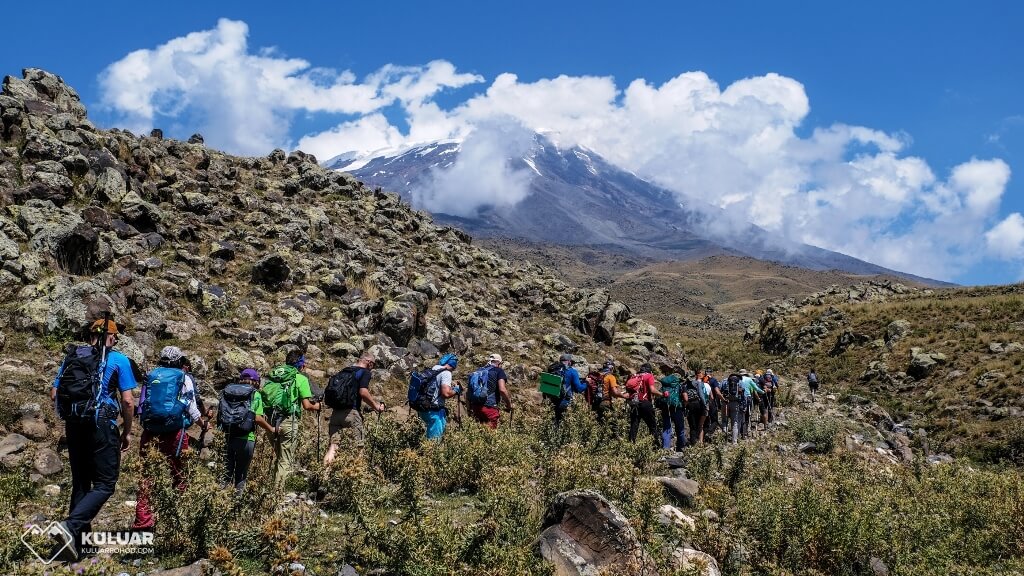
193	406
448	390
310	405
364	393
262	423
127	415
503	391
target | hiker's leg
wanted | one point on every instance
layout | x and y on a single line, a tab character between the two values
244	449
634	423
289	439
106	465
353	420
666	428
143	511
335	427
176	445
230	462
79	438
652	423
679	418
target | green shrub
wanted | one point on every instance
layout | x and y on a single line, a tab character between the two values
820	430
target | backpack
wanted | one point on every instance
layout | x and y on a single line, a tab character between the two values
79	382
812	379
280	393
734	390
234	412
165	409
343	388
595	388
558	369
768	384
424	390
640	391
696	400
479	392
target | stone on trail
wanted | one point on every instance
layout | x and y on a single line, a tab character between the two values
585	535
200	568
690	561
669	515
683	490
47	462
13	443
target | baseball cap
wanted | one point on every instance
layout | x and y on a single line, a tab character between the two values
249	374
171	353
565	357
97	327
494	358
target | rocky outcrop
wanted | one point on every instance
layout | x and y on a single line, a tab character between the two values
241	258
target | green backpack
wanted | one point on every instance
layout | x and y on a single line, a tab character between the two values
671	384
280	393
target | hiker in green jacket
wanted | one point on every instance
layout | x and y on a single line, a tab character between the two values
285	395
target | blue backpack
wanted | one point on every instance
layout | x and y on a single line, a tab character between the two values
424	390
479	390
164	408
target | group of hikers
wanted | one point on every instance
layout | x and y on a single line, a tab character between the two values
695	399
95	385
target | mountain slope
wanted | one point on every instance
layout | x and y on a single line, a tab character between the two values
578	198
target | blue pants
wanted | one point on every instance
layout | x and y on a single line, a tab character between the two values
673	417
434	421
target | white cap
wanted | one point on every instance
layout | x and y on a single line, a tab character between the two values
494	358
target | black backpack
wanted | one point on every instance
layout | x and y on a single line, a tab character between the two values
694	397
735	391
79	382
234	412
343	388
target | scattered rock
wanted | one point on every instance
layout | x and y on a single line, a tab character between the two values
878	567
13	443
683	490
690	561
47	462
200	568
585	535
669	515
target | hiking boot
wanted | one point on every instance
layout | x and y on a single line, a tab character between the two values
64	547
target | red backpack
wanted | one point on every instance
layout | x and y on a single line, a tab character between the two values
638	388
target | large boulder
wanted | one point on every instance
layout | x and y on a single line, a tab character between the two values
585	535
13	443
922	363
271	271
43	92
896	331
399	320
683	490
57	305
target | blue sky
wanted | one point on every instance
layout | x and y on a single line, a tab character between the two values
937	84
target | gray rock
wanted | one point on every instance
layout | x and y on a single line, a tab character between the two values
670	515
878	567
683	490
34	427
896	331
585	535
47	462
110	186
271	271
13	443
200	568
690	561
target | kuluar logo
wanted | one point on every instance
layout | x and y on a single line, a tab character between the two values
53	531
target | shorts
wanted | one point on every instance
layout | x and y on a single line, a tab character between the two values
350	419
434	421
486	415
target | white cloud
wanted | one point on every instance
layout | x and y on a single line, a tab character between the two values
242	101
483	175
846	188
1006	239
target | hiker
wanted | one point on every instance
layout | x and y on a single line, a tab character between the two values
698	395
716	403
485	385
753	391
438	388
641	389
167	408
285	395
770	384
571	384
671	401
85	398
239	413
345	394
736	402
812	382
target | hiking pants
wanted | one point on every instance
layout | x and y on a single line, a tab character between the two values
434	421
696	419
94	452
672	416
285	445
237	457
560	409
643	411
736	420
167	445
711	422
345	419
486	415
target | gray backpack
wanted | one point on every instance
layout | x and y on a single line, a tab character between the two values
234	413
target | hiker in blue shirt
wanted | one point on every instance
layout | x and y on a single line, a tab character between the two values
90	408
